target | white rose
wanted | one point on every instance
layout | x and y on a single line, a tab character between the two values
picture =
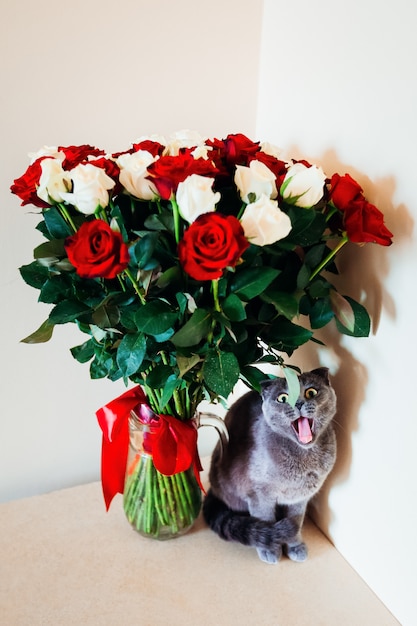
264	223
201	152
50	151
303	186
195	197
90	185
256	179
271	149
154	137
54	182
183	139
133	173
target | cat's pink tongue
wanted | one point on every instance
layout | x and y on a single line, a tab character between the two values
304	431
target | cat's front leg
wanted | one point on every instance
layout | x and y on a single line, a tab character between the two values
275	533
296	549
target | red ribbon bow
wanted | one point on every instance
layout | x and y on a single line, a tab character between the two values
173	442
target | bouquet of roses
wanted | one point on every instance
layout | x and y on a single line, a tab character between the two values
190	263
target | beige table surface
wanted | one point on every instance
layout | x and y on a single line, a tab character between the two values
65	561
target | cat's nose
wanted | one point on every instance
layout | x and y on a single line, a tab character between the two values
299	404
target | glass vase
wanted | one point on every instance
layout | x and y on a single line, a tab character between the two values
157	505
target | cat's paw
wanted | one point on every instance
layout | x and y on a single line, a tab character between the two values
270	556
286	529
297	552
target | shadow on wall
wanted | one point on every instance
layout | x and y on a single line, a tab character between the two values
362	275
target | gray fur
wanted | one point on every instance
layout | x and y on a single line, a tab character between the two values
260	486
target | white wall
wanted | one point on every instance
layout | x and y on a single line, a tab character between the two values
99	72
338	86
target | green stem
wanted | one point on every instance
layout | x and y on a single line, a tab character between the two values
241	211
136	287
122	285
176	214
329	257
102	215
153	399
167	482
162	492
215	288
331	212
67	217
177	400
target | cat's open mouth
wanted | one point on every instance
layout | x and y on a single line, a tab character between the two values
303	428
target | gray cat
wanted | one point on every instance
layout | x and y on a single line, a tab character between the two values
277	458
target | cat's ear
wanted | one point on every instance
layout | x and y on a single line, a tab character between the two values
271	384
323	373
264	384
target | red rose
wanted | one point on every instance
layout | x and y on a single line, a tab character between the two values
167	172
234	150
154	147
74	155
212	243
25	187
362	220
343	190
110	167
97	251
365	223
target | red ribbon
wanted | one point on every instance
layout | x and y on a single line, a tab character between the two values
173	442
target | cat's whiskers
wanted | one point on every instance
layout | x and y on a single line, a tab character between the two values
339	425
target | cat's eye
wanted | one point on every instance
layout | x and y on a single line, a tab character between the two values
310	393
283	397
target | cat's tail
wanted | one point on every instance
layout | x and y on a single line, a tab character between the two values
243	528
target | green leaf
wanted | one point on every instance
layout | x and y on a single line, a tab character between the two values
55	288
249	283
169	277
153	222
303	277
142	252
55	223
84	352
320	313
162	337
233	308
253	376
155	318
285	303
127	318
50	249
158	376
286	336
293	384
343	310
185	364
101	367
130	353
68	311
42	334
193	331
106	316
315	255
307	226
117	215
168	390
221	372
362	326
319	288
34	274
